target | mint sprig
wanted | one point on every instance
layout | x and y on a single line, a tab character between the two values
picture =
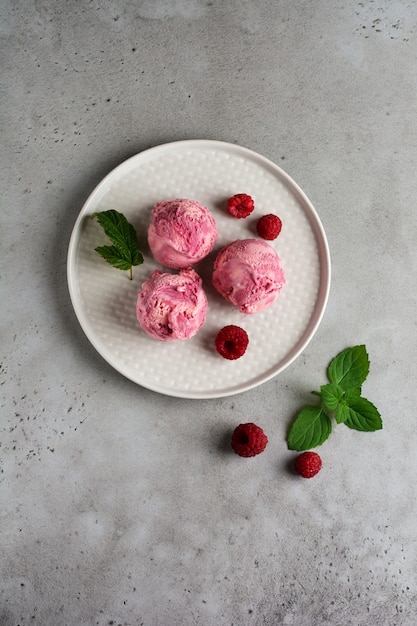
341	399
124	253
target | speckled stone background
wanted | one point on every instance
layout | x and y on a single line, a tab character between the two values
120	506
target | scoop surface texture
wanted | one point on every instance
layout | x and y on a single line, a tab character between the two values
172	306
248	273
181	233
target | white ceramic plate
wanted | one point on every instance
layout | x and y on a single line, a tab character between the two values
104	298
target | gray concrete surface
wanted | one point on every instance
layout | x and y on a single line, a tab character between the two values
122	506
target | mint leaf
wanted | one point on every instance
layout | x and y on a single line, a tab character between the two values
310	429
125	251
342	413
363	415
342	410
112	255
349	368
331	395
352	394
119	231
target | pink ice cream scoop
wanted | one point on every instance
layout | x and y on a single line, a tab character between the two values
181	233
248	273
172	306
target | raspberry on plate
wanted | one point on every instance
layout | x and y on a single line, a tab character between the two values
269	226
231	342
248	440
240	205
308	464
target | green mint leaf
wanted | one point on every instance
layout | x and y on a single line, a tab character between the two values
352	394
119	231
342	410
349	368
363	415
124	240
331	395
310	429
113	256
342	413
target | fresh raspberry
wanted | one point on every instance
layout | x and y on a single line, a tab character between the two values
249	440
240	205
269	226
308	464
231	342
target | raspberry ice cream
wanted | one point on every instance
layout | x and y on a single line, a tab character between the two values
172	306
181	233
248	273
